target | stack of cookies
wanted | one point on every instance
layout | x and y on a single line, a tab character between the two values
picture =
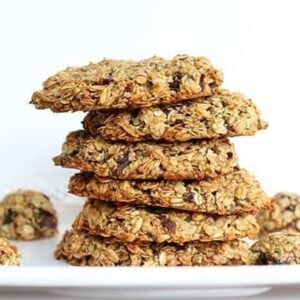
162	179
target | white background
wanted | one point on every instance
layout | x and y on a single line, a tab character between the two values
255	43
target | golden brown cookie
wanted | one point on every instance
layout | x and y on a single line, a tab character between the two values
283	216
150	224
235	193
277	248
190	160
128	84
222	114
27	215
84	250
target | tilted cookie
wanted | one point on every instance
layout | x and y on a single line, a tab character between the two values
84	250
190	160
235	193
27	215
9	254
128	84
277	248
222	114
283	216
150	224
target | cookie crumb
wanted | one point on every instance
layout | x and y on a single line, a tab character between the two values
9	254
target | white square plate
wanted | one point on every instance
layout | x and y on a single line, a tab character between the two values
41	271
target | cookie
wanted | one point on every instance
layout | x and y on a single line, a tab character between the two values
150	224
9	254
277	248
123	84
190	160
84	250
283	216
27	215
234	193
222	114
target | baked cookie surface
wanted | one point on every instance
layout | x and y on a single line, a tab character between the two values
84	250
149	224
283	216
235	193
219	115
277	248
121	84
27	215
190	160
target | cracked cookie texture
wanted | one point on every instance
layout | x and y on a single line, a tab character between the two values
9	254
127	84
27	215
235	193
222	114
84	250
277	248
190	160
283	216
150	224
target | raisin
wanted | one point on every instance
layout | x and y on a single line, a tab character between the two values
151	236
229	155
166	110
129	87
168	224
201	82
122	162
106	81
266	259
188	196
46	220
9	217
175	84
149	85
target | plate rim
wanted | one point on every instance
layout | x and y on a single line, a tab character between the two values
135	277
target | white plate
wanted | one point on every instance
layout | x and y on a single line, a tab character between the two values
41	271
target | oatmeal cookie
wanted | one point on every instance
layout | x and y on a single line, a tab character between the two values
222	114
235	193
150	224
120	84
284	215
27	215
277	248
9	254
84	250
190	160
